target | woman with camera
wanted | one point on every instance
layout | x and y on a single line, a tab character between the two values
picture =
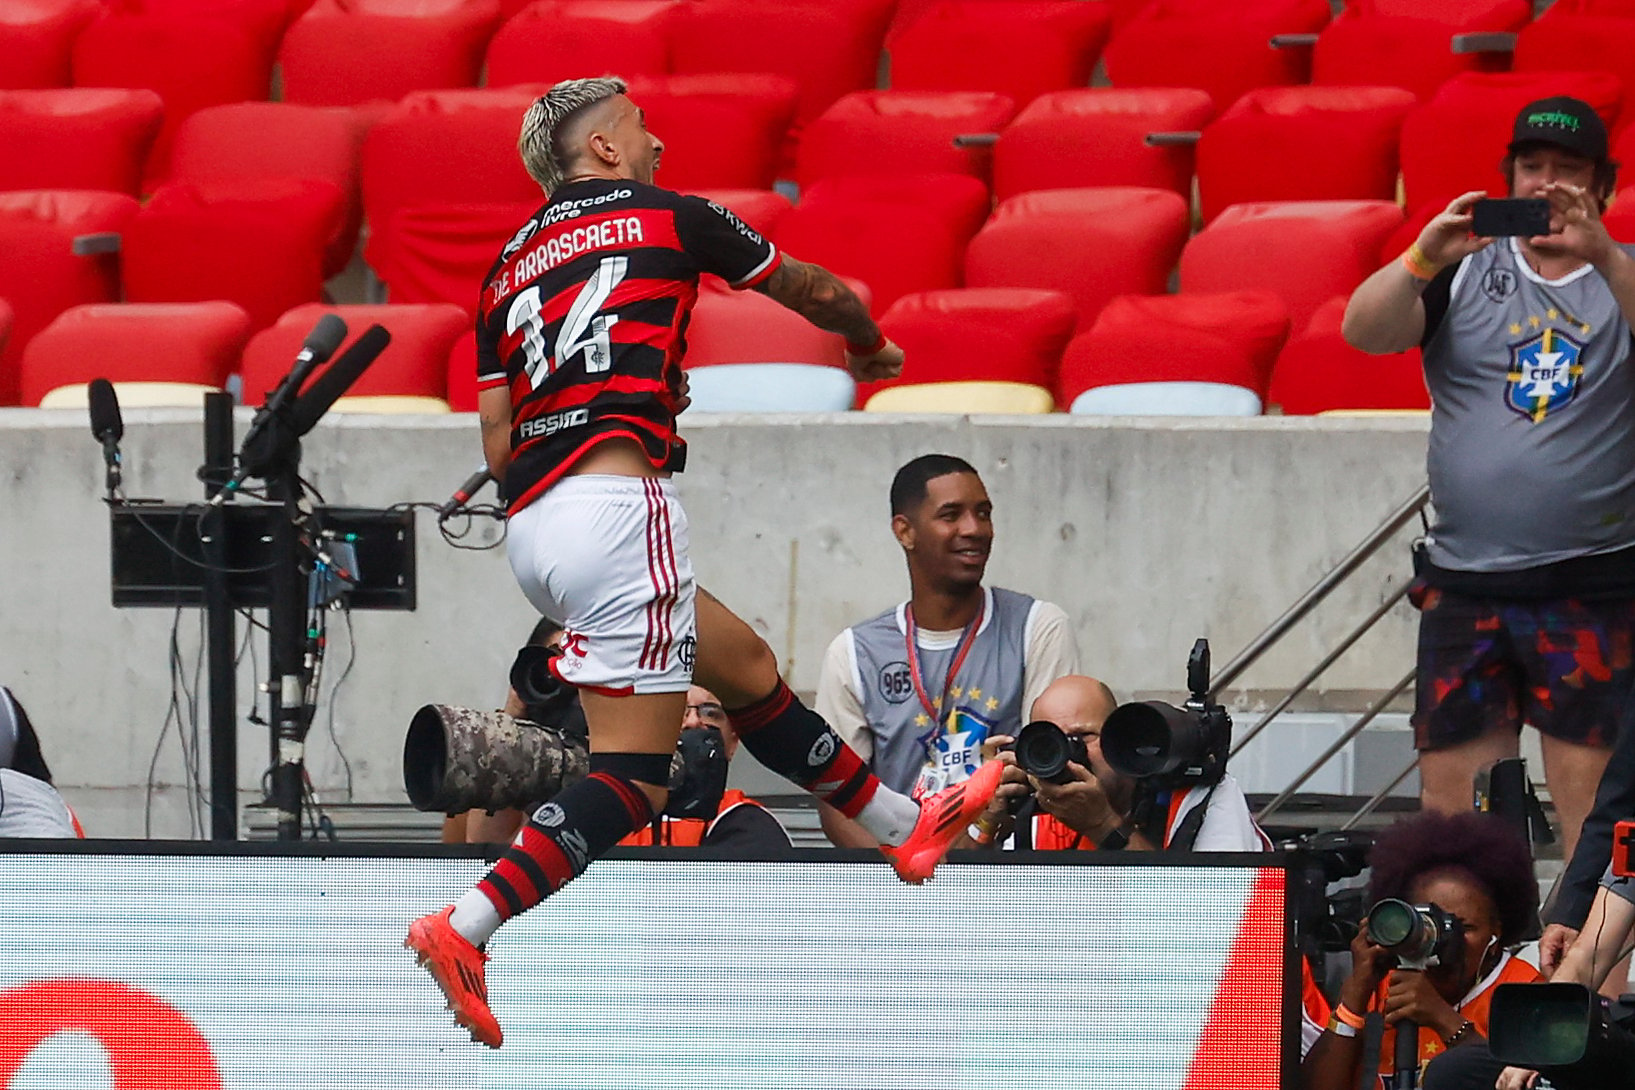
1470	881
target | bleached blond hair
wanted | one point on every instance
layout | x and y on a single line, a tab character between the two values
540	141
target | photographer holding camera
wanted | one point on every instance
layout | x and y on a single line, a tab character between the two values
1085	804
1599	948
1452	895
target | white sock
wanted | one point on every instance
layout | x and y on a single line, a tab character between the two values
474	917
889	816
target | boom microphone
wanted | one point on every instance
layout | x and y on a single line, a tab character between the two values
462	495
109	428
267	436
328	387
263	447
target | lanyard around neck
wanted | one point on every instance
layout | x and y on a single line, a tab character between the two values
933	708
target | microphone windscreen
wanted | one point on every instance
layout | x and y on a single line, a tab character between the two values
104	405
337	379
325	337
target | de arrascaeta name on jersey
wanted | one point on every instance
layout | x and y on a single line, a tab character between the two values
610	233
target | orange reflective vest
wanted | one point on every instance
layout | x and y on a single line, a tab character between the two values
1475	1006
684	832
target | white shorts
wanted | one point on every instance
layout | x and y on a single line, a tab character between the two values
606	557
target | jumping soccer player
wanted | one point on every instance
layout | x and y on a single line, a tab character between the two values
580	334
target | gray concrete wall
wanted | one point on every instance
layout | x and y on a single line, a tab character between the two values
1149	534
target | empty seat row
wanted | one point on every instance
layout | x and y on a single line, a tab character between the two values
456	148
264	246
349	51
1216	352
186	348
994	350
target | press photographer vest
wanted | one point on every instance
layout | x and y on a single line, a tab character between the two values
919	748
684	832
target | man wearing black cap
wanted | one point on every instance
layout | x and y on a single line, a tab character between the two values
1527	578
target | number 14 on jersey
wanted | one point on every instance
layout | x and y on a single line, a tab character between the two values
584	329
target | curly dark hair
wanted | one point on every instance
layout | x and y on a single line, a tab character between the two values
1479	846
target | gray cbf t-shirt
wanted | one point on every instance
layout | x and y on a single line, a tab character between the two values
1532	448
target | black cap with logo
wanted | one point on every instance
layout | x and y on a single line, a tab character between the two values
1565	122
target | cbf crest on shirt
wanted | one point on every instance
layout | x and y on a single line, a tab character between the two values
1545	372
584	319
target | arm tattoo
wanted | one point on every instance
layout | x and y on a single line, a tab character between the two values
823	299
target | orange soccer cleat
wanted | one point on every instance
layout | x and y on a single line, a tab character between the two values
457	966
943	817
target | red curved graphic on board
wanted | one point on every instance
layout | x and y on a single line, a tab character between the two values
150	1044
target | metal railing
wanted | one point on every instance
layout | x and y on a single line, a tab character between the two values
1343	570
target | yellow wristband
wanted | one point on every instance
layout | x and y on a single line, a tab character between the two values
1418	265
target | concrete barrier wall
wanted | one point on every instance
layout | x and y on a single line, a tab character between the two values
1148	533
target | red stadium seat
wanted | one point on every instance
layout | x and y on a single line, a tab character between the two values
897	235
441	253
826	48
1581	36
1343	138
447	147
901	132
1620	218
1091	243
1453	143
260	245
77	138
462	373
37	40
7	317
748	327
762	209
724	130
1017	48
414	364
1099	136
979	335
1304	252
1317	371
1225	49
195	343
1411	44
341	54
1231	338
551	40
189	63
263	20
250	141
41	275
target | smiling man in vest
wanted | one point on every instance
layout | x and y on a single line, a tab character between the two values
917	690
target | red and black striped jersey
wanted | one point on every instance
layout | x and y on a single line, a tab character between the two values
584	318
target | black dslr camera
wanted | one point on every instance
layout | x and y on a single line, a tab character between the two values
1044	750
1421	936
1169	747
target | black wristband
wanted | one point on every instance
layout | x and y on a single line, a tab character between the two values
1115	840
